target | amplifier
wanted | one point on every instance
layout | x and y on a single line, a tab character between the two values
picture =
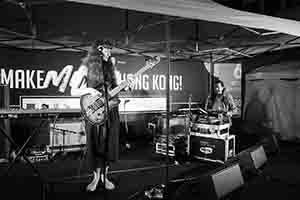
37	155
66	135
216	149
66	148
38	158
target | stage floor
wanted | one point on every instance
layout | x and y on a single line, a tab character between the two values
67	174
140	169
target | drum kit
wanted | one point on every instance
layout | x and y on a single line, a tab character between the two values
179	128
181	120
182	123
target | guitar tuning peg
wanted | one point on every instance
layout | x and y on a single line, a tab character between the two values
148	58
157	58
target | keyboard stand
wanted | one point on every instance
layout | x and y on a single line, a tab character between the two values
21	153
32	113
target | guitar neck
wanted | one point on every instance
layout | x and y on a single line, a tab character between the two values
118	89
125	83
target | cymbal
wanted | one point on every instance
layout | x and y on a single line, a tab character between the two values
187	109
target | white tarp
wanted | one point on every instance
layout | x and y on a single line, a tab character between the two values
272	100
207	10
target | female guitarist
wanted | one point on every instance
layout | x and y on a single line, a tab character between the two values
98	68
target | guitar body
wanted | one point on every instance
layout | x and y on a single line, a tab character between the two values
93	108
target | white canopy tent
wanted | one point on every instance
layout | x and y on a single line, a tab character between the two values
204	10
272	100
271	92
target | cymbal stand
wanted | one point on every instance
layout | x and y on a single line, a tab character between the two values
190	106
189	124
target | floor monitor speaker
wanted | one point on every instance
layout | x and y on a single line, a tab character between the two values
270	144
215	185
252	159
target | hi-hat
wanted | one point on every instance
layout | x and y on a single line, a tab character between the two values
187	109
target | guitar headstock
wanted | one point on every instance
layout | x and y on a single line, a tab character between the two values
152	61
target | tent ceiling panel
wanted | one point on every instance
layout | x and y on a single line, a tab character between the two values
207	10
64	25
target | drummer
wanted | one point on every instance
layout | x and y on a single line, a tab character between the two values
221	101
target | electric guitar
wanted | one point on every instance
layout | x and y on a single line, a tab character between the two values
93	106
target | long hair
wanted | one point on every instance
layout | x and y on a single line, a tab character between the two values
95	64
214	96
93	56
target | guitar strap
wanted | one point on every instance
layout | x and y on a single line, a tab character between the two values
83	81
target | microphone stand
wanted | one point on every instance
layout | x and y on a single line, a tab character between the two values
127	145
106	124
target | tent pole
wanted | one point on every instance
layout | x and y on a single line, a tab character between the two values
211	75
167	35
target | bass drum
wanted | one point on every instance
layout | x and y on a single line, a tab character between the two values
179	124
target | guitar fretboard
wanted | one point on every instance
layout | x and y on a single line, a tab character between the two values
125	83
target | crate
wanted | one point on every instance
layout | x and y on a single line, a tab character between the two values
161	148
216	136
210	129
212	148
177	144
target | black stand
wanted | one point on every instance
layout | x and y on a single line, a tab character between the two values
127	144
21	152
167	34
106	126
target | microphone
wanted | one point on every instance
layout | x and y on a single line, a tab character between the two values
100	48
126	101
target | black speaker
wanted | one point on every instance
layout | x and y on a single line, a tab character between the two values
270	144
4	123
215	185
4	96
252	159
